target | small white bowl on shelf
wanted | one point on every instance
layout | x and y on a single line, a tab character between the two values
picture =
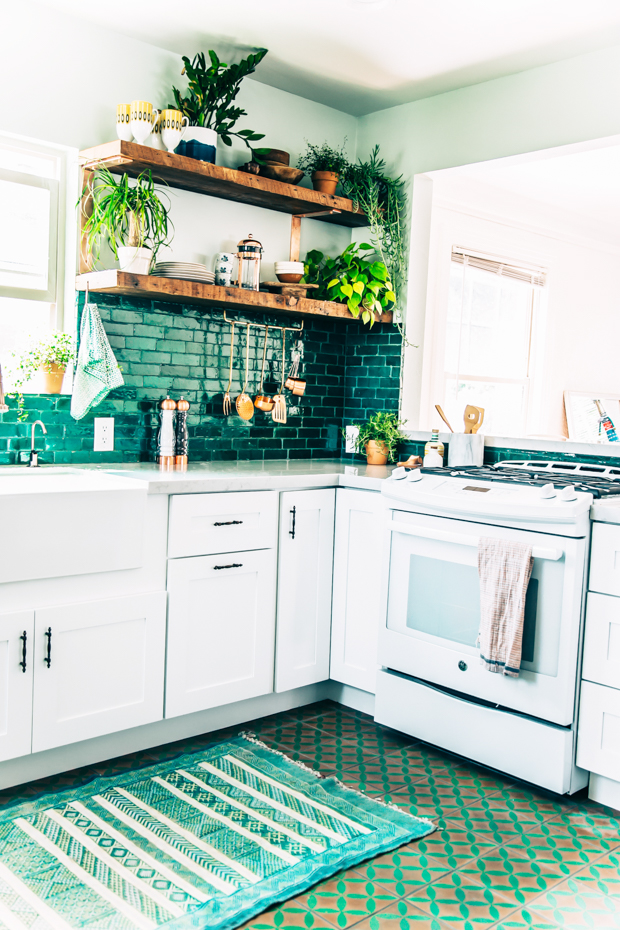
289	272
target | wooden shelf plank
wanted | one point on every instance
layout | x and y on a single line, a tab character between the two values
226	183
177	290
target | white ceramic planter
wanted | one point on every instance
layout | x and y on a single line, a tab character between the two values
136	261
199	143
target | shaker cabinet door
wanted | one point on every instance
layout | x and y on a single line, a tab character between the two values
98	668
304	587
357	586
16	664
221	627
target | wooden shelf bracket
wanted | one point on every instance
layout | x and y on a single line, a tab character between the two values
296	229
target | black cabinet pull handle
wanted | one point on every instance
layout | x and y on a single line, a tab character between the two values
291	532
218	568
23	638
48	657
229	523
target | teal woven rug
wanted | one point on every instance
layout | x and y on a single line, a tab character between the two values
207	840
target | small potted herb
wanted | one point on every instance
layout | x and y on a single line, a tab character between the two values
133	218
50	356
325	166
378	437
208	103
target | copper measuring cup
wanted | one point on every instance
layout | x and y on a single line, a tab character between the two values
263	401
295	385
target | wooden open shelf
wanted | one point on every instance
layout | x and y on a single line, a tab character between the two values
210	295
226	183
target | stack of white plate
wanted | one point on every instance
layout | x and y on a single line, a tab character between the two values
188	271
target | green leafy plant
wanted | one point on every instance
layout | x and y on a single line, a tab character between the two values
323	158
212	88
380	427
56	348
355	277
384	202
127	215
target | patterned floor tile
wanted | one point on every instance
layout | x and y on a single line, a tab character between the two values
497	826
462	790
562	852
401	916
517	878
345	726
453	846
290	914
527	803
347	899
461	902
382	775
321	752
572	909
420	760
566	832
526	920
380	741
403	870
591	824
603	876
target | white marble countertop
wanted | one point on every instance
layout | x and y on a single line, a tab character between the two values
606	510
278	475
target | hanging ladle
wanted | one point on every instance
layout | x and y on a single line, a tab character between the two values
244	405
263	401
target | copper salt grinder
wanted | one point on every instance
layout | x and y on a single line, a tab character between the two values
182	436
166	437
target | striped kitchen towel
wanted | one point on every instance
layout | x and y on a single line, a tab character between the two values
504	568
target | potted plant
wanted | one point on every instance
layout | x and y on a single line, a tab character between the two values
355	277
208	103
325	166
378	437
132	218
50	356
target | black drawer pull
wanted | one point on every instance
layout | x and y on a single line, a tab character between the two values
229	523
23	638
291	532
218	568
48	657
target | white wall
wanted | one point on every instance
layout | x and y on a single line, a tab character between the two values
60	81
577	331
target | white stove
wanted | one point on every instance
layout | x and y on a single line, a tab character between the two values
432	683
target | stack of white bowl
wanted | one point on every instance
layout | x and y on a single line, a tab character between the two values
289	272
187	271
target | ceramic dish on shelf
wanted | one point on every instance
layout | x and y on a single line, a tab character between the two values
281	173
289	272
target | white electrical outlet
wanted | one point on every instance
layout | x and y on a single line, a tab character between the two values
352	433
104	434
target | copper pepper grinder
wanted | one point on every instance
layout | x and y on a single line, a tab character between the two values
182	436
166	438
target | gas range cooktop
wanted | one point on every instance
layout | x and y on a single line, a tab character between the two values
597	480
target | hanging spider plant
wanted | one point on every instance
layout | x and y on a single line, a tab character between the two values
127	215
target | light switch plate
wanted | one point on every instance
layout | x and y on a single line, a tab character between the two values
352	433
104	434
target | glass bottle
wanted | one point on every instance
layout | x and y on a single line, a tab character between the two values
433	451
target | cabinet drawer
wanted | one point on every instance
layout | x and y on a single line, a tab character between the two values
605	559
207	524
601	650
598	739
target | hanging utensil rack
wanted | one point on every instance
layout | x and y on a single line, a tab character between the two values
274	326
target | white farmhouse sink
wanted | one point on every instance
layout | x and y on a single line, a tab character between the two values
68	521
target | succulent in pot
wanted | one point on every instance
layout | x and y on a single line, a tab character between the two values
208	103
132	217
325	166
378	437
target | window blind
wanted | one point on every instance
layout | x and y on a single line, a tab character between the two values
529	273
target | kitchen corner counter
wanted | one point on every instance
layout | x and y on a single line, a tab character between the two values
606	510
267	475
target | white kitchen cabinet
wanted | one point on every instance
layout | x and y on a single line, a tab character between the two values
304	587
598	744
16	667
601	649
357	588
98	668
221	629
605	559
204	524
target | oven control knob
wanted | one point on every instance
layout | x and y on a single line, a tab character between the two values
547	491
463	666
415	475
399	473
568	493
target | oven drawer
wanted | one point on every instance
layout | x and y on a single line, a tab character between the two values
601	650
598	740
207	524
605	559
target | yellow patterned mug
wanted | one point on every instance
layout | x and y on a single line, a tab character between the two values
123	129
172	125
142	118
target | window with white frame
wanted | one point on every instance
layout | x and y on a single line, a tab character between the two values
491	308
35	289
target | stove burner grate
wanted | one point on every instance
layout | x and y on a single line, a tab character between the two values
596	486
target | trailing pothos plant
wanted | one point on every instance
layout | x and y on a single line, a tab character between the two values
384	202
211	90
57	348
380	427
354	277
126	214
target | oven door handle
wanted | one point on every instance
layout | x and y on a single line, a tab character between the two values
552	555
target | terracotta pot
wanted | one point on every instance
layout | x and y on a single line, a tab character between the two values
376	453
325	181
52	380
